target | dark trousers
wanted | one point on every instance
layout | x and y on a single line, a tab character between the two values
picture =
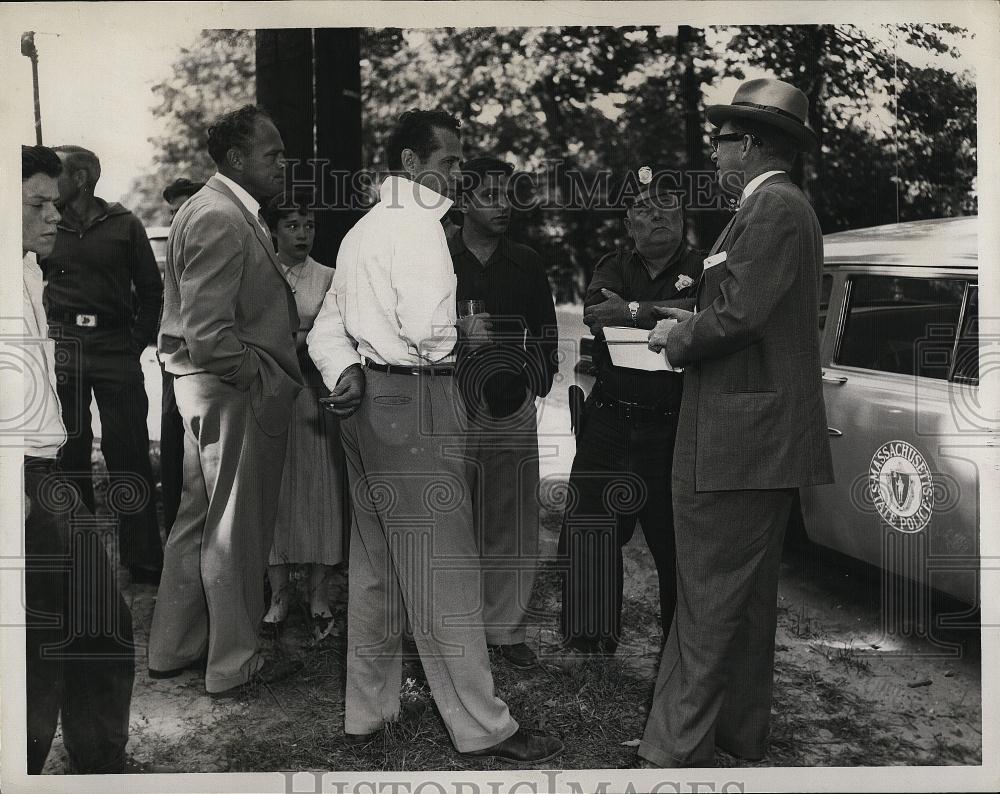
714	684
116	382
171	453
620	475
79	657
715	678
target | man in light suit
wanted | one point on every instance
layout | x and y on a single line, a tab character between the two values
228	336
752	429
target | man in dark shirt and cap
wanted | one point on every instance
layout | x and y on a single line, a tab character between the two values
103	300
499	383
171	424
621	472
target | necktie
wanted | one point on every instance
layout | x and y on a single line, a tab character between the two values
267	232
263	223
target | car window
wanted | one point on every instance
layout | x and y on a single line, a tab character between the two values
966	356
900	324
825	288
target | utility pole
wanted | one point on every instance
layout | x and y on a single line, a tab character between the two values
29	50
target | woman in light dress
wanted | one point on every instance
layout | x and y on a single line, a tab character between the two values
312	508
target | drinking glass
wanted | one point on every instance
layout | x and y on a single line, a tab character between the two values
467	307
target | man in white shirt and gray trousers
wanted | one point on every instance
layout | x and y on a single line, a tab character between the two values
384	342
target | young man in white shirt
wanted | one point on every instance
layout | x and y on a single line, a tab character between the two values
384	342
79	660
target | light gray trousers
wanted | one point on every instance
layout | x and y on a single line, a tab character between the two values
413	553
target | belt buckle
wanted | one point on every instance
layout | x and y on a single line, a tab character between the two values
86	321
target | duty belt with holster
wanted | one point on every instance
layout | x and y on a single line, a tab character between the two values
631	411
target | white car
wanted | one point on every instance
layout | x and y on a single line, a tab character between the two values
899	328
901	385
158	239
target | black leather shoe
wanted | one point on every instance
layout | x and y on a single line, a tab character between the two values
743	755
361	739
272	671
522	748
197	664
518	655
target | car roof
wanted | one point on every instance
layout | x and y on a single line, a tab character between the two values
937	243
157	231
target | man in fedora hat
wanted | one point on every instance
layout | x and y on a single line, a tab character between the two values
752	430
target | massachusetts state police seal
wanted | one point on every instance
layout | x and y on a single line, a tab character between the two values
902	487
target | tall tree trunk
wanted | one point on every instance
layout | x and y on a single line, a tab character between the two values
338	133
822	36
689	42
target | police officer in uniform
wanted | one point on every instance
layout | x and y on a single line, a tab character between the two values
625	439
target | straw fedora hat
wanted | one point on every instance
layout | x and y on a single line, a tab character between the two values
772	102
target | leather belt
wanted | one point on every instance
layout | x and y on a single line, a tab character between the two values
86	320
632	412
40	465
394	369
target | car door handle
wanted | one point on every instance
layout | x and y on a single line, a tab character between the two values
840	380
834	432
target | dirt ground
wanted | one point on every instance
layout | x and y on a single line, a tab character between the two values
852	686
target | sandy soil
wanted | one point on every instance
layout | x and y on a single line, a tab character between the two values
912	693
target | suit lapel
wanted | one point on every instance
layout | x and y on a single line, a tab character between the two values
715	249
262	238
722	237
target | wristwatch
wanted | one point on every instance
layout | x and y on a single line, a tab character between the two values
633	310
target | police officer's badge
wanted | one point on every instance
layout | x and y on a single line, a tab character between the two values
683	282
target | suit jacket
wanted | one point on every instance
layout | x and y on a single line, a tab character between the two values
227	308
752	384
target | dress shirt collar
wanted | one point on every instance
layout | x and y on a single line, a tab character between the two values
755	183
399	192
33	285
248	201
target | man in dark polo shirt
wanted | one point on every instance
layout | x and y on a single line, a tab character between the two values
103	300
499	383
624	446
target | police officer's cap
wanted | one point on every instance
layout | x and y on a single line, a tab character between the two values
651	185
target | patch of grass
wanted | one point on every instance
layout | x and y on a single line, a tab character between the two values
593	709
298	725
852	659
799	623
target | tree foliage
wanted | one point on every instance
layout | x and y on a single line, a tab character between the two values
214	75
897	142
898	138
